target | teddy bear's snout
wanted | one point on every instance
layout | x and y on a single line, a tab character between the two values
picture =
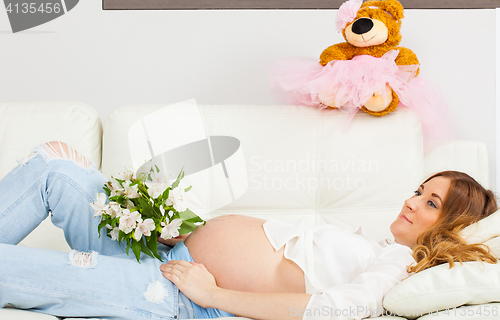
362	26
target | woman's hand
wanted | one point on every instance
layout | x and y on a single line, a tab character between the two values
172	242
193	279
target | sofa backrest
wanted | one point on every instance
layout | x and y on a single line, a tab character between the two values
302	161
24	125
298	161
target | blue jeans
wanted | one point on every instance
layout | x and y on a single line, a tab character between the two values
45	280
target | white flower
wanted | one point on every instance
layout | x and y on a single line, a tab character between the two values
99	205
176	197
126	174
130	191
116	188
170	230
114	209
130	205
128	220
113	233
170	212
144	228
156	189
155	292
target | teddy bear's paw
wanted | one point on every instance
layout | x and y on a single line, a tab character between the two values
378	102
375	109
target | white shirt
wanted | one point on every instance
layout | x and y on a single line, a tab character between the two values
346	273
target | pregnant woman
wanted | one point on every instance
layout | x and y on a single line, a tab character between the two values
233	265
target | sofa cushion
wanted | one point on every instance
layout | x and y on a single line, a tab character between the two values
16	314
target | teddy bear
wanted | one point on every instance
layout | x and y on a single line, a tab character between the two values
370	71
371	29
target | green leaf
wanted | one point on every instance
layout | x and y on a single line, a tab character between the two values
121	236
147	208
178	180
107	190
188	214
188	188
100	226
136	248
121	199
152	242
189	219
187	227
175	184
145	248
165	193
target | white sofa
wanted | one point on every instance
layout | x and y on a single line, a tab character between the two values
300	162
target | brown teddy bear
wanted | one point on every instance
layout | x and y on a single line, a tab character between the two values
370	71
371	28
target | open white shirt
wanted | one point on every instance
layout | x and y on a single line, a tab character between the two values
346	273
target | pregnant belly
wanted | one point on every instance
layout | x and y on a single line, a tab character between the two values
237	252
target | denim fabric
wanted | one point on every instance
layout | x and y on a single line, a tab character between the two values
44	280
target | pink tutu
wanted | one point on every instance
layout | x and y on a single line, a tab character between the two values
351	83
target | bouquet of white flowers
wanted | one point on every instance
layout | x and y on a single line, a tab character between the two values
139	210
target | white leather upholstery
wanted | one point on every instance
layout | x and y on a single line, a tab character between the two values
467	156
24	125
303	162
367	168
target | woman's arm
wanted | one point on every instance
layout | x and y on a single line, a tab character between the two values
199	285
272	306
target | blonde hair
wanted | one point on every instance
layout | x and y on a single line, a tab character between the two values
466	202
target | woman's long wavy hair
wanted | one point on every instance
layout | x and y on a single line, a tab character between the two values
466	202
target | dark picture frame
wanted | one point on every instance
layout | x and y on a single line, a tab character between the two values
283	4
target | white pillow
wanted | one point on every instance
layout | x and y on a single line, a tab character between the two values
439	287
485	231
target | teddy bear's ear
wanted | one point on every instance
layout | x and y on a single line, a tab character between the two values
393	7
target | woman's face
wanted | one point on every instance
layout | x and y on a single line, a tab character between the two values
420	211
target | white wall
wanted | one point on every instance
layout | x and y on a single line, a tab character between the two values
112	58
